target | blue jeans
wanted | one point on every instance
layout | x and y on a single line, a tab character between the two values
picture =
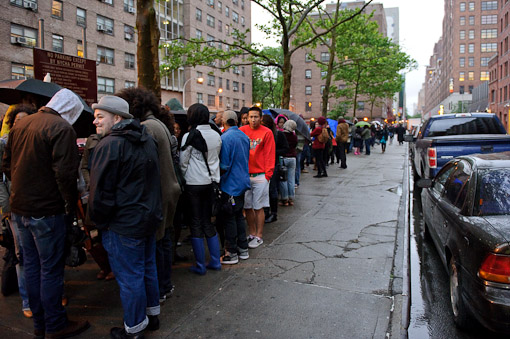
43	242
20	269
367	145
164	262
287	187
298	168
133	262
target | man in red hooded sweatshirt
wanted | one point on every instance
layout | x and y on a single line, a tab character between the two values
261	168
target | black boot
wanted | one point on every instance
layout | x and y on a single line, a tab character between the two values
153	323
120	333
271	218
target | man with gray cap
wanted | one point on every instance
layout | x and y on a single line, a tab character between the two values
41	159
125	203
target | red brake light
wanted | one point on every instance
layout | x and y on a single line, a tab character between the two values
495	267
431	152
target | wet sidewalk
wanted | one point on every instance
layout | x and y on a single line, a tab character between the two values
325	270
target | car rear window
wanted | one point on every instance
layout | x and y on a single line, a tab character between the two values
493	192
464	125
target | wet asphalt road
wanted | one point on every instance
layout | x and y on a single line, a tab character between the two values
430	298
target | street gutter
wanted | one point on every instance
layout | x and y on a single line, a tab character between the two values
406	270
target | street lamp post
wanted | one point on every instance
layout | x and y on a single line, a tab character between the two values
217	98
199	80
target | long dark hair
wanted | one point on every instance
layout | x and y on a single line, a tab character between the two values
140	101
268	122
198	114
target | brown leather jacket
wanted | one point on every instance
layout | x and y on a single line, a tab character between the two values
41	159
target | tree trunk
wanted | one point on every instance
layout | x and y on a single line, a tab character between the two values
148	47
287	73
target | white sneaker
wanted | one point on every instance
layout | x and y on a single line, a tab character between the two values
255	242
243	253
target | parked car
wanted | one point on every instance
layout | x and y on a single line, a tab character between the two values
444	137
466	209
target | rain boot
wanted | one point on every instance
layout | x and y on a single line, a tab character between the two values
214	252
199	251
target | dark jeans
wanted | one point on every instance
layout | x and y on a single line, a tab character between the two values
306	155
273	191
43	242
342	147
367	145
164	262
234	225
298	167
200	201
319	158
133	261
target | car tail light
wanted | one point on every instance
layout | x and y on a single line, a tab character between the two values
495	267
431	151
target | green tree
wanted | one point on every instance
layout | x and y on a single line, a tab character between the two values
287	18
268	81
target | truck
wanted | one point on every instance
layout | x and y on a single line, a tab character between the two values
447	136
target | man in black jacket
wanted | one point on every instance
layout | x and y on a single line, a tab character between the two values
41	159
125	203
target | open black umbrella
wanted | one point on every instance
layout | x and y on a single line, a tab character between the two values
302	127
14	91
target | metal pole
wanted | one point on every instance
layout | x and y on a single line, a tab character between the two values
84	41
41	34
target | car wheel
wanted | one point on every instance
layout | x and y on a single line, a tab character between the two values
461	317
416	176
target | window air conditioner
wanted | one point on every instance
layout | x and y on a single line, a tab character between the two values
21	40
100	27
128	36
30	5
131	10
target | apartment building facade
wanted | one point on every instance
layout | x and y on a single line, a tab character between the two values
460	61
307	82
499	83
104	31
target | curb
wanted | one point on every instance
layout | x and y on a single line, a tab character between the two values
406	268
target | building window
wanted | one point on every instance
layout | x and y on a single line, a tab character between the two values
462	48
129	61
323	87
462	7
462	35
235	103
57	43
210	100
198	14
471	34
105	55
471	89
129	84
210	3
220	101
308	57
461	89
57	9
28	4
23	36
361	105
484	61
462	62
471	75
308	90
105	85
489	33
489	5
471	20
81	17
109	2
20	71
227	11
129	6
220	26
220	82
490	47
200	98
235	17
489	19
129	33
484	75
243	72
471	48
323	74
235	86
308	106
243	21
198	34
211	79
79	48
471	62
462	20
235	2
104	24
471	6
210	40
242	87
210	21
220	7
461	76
324	56
308	74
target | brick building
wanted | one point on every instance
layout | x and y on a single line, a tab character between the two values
460	61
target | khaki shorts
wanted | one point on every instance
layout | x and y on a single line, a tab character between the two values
258	196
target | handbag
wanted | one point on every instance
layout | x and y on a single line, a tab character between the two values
283	172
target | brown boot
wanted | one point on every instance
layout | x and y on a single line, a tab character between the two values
73	328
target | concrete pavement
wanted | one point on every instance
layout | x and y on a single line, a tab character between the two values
330	267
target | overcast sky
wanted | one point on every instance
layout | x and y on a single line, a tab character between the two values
420	29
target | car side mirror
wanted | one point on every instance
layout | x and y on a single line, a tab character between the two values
408	138
424	183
